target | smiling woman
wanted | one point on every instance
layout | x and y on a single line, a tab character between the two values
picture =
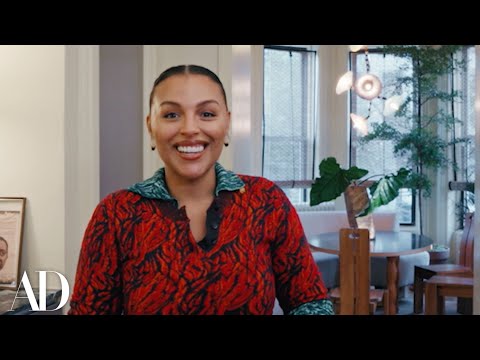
195	238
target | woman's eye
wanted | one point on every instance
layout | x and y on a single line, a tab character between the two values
207	114
171	115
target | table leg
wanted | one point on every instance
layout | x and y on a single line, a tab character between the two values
431	298
392	285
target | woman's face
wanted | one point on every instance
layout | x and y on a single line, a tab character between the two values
188	123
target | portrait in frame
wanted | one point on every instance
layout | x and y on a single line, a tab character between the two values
12	213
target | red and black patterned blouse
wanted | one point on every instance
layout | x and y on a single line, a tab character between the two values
139	256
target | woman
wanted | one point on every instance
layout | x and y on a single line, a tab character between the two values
195	238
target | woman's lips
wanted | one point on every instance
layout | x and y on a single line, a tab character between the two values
190	151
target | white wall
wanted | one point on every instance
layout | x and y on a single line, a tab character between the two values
333	109
247	109
32	88
334	120
82	173
121	116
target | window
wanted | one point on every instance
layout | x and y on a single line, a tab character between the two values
377	156
464	155
289	126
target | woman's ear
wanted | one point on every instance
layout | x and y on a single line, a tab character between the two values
149	125
228	122
149	128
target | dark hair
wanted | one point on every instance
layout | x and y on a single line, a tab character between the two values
188	69
1	238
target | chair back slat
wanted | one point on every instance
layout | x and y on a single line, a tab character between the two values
354	271
347	274
466	244
362	271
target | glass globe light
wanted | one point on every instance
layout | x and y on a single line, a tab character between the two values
359	123
368	87
392	104
355	48
344	83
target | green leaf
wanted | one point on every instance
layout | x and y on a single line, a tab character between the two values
386	189
333	181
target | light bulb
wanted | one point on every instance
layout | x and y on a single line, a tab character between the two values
359	123
368	86
392	104
355	48
344	83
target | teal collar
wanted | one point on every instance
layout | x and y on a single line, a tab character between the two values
156	187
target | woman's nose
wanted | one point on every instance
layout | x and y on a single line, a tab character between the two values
189	125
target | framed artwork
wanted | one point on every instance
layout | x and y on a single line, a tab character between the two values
12	213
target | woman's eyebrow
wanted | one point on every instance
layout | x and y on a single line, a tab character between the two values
173	103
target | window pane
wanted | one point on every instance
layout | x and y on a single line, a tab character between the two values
377	156
465	111
289	109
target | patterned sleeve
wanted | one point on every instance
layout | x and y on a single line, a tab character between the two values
318	307
298	280
97	288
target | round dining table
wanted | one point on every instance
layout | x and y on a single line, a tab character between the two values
389	244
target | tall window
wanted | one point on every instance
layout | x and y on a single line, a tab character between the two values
377	156
289	126
465	111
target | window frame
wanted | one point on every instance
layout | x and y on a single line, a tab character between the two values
353	156
312	148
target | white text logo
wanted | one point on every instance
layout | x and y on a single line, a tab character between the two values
42	291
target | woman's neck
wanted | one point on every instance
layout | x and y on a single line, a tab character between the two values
185	190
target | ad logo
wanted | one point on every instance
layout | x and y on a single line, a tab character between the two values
42	292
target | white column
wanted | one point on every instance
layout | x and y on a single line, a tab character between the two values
151	65
82	155
247	108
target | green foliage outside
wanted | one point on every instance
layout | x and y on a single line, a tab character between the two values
419	140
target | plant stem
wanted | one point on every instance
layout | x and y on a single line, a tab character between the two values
361	182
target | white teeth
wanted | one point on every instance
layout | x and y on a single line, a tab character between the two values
191	149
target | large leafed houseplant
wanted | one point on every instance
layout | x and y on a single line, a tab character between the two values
335	181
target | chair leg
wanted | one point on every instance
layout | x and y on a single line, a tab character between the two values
464	306
385	303
431	299
417	292
372	307
440	305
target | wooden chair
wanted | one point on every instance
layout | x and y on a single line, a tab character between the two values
354	295
437	287
463	269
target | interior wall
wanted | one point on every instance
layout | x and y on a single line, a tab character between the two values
32	88
334	129
82	154
121	118
247	108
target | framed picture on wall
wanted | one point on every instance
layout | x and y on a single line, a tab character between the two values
12	213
